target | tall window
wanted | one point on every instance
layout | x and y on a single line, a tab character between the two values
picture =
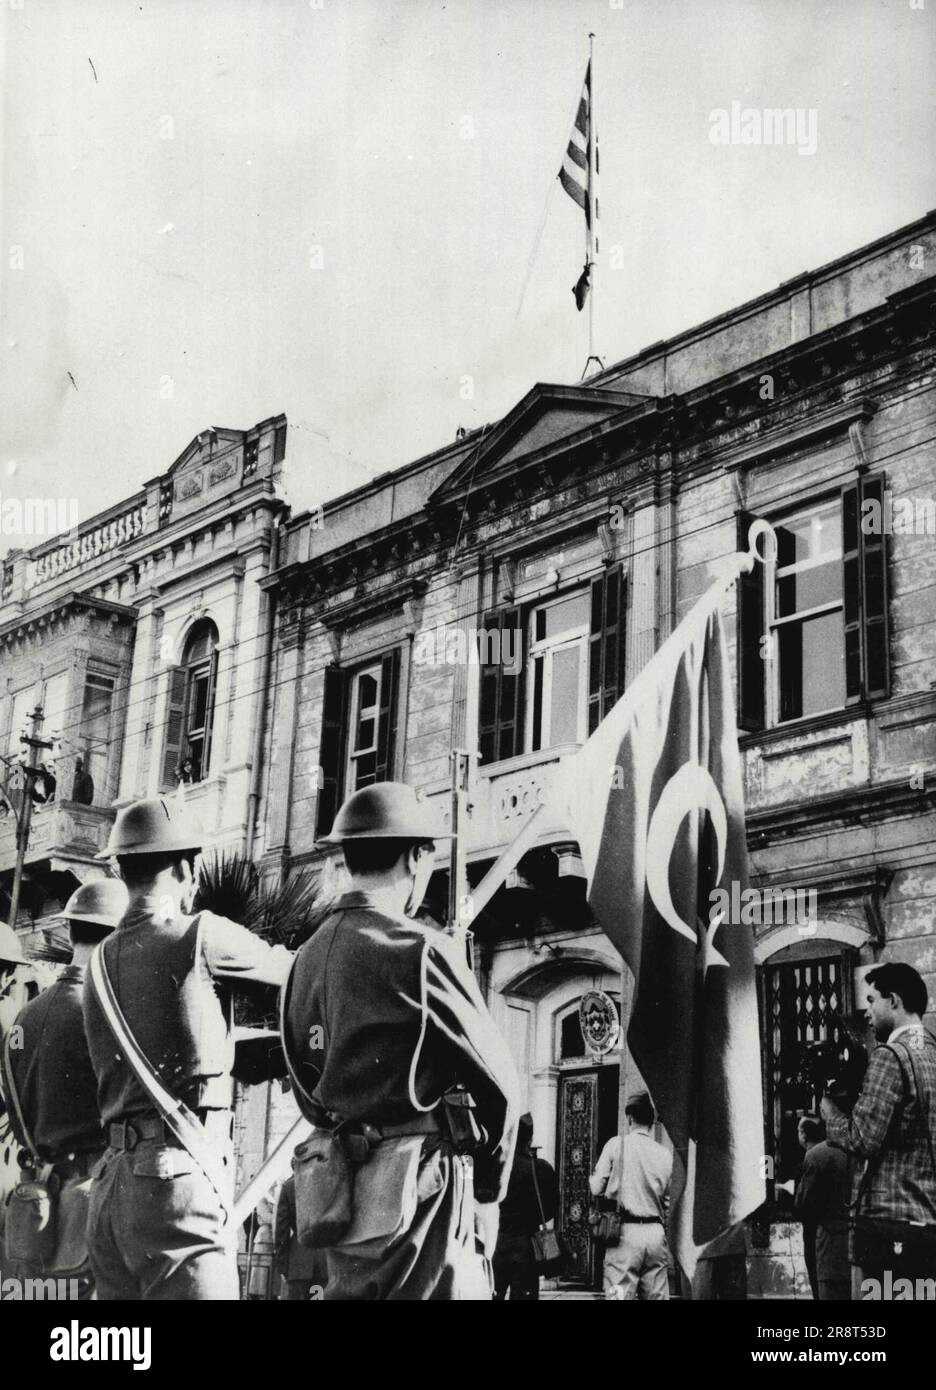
557	672
363	728
551	671
359	731
95	739
190	718
823	607
806	621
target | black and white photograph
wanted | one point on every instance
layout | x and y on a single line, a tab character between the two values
468	670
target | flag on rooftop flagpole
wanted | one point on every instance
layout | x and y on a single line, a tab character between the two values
574	174
578	176
669	830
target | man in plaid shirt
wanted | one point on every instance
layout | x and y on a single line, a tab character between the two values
893	1123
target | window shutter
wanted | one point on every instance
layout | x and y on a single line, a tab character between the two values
331	744
864	584
751	665
175	728
851	590
209	712
874	596
386	729
606	644
501	717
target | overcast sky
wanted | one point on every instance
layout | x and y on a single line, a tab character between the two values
232	208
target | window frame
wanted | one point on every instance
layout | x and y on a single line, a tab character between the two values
543	651
773	572
89	748
349	781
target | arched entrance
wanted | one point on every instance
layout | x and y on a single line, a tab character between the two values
571	1094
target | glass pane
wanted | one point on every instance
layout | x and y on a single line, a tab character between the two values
567	615
199	700
367	691
202	641
571	1042
827	530
537	703
809	537
97	701
365	770
808	588
365	734
564	709
812	666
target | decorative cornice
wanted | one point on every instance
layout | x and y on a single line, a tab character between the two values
26	624
371	604
855	806
835	419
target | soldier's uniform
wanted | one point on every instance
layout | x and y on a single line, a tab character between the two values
382	1017
51	1067
158	1230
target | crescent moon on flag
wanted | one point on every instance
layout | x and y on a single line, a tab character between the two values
691	788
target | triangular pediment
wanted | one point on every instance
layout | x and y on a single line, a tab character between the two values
209	444
547	420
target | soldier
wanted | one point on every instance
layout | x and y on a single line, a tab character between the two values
51	1067
15	977
17	986
382	1017
158	1227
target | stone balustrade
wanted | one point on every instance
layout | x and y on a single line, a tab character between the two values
87	547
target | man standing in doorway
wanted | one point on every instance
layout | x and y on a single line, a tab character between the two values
635	1172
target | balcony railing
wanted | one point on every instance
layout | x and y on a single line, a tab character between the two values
96	541
63	829
506	794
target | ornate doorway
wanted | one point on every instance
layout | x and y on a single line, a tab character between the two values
587	1118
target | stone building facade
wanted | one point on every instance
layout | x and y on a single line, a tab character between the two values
144	636
498	595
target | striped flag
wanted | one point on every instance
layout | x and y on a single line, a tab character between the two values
575	174
578	175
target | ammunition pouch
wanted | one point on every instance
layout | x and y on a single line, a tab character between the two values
459	1121
324	1181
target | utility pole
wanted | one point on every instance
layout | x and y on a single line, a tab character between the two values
24	820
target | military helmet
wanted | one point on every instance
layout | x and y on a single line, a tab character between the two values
159	825
11	952
101	903
385	811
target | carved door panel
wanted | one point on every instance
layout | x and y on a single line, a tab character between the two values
578	1137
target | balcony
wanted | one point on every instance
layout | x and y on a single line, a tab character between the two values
65	831
504	796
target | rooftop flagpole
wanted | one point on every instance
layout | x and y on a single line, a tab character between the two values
591	223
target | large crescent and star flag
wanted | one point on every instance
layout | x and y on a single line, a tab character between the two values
657	808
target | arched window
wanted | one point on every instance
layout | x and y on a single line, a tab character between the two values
190	716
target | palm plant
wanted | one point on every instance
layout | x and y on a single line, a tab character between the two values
280	909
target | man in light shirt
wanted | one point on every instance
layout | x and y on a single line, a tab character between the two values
634	1172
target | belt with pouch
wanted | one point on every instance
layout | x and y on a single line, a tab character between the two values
630	1219
361	1136
124	1135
